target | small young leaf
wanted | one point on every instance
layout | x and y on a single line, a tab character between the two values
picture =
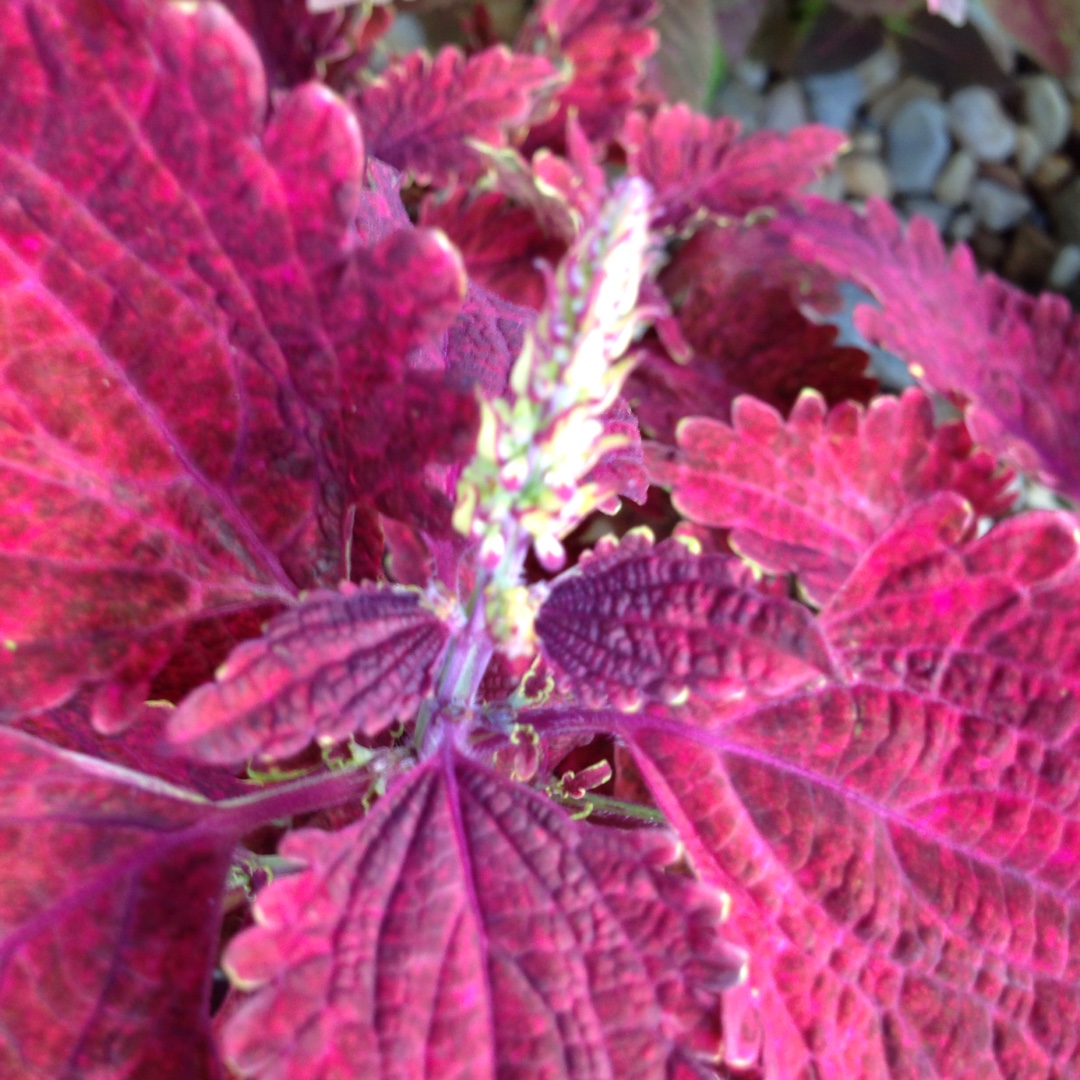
356	660
468	927
656	623
109	918
812	494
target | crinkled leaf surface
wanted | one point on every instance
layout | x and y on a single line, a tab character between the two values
606	42
694	163
643	622
903	847
812	495
1015	358
467	927
143	400
109	917
354	660
420	113
737	292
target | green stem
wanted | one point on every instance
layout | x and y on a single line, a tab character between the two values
604	804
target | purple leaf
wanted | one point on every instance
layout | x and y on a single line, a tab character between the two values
1015	358
421	114
606	43
355	660
109	918
694	163
469	927
642	622
902	847
737	293
811	495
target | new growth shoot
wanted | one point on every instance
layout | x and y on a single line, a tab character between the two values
528	483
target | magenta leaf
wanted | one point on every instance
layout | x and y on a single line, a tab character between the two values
641	622
606	43
355	660
737	294
902	847
468	927
421	114
1015	358
145	404
109	917
694	163
811	495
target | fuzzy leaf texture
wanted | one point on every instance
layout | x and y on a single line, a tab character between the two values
467	927
109	917
1014	358
420	114
341	662
695	164
811	495
902	846
643	623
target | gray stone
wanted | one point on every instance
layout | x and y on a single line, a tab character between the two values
1030	152
738	101
997	207
879	71
1066	268
865	176
918	146
1065	210
929	208
1047	110
752	73
835	98
953	186
867	141
785	107
829	185
963	226
885	105
980	125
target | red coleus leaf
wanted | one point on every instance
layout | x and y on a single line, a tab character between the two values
812	495
145	403
468	927
109	917
1015	358
695	164
606	42
902	847
737	292
354	660
421	113
642	622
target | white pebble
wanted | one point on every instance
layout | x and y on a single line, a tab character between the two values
979	123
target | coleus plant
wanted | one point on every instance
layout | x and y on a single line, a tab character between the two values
323	672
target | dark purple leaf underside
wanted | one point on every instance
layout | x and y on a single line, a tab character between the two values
904	848
109	917
467	927
341	662
1015	358
655	623
421	113
810	495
